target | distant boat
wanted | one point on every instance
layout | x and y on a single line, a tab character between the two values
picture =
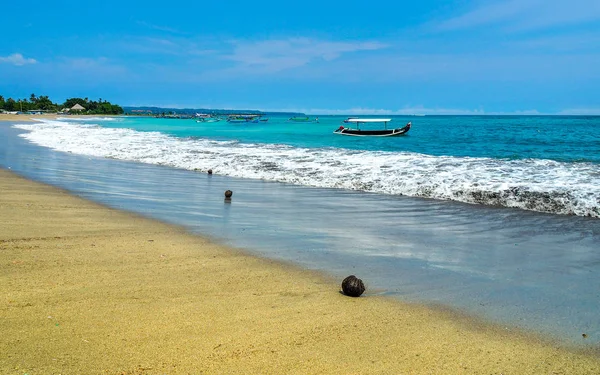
202	117
210	119
385	132
243	118
303	119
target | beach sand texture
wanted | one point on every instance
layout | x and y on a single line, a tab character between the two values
90	290
50	116
25	117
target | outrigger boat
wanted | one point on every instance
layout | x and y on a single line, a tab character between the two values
208	119
243	118
303	119
202	117
385	132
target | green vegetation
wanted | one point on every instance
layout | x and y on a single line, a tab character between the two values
43	103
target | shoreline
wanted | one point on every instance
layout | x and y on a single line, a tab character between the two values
25	118
54	116
90	289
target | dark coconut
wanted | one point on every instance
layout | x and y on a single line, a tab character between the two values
228	194
353	286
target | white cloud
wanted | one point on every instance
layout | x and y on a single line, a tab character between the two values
560	43
522	15
17	59
487	14
170	47
423	111
580	112
158	27
87	69
277	55
407	111
85	63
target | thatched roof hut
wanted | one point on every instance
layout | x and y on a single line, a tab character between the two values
77	107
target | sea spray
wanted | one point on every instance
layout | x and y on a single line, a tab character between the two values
569	188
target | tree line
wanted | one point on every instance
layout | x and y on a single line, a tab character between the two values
43	103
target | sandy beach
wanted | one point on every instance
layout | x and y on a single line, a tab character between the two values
25	118
30	118
91	290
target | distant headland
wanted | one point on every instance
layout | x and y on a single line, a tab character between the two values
190	112
84	106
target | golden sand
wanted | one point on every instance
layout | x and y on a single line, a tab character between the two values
50	116
85	289
25	118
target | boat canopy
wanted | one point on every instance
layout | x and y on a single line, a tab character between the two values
369	120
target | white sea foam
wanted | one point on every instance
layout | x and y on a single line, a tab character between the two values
88	119
534	184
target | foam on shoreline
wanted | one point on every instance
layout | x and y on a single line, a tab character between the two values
532	184
518	268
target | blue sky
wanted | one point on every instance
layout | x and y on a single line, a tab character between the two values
350	57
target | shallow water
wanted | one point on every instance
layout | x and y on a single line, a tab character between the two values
545	164
520	268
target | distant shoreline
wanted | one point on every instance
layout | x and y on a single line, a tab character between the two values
53	116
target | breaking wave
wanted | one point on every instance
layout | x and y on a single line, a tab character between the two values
530	184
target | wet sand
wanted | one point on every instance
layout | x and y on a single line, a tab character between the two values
88	289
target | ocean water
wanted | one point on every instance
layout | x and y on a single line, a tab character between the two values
545	164
494	216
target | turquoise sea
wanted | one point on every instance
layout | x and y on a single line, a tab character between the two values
546	164
495	216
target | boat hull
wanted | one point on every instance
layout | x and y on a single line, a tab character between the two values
303	119
373	133
209	120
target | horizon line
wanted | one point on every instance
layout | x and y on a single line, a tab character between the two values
417	112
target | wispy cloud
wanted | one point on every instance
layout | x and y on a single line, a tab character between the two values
466	68
17	59
419	111
489	13
408	111
561	43
580	111
85	63
282	54
522	15
90	68
159	27
154	46
168	46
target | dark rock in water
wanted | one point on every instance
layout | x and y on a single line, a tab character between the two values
353	286
210	171
228	194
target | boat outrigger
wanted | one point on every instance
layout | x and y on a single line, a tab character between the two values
244	118
303	119
202	117
385	132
